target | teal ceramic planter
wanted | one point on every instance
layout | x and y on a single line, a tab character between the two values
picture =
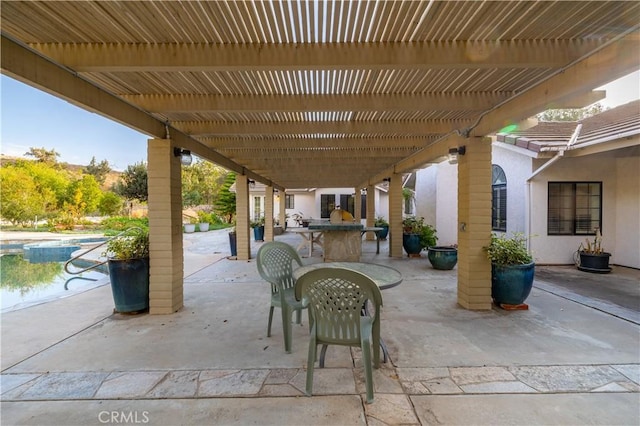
130	284
411	244
511	284
258	233
384	233
443	258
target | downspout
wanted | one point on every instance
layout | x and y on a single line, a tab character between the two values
559	155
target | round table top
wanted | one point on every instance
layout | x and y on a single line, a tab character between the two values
384	276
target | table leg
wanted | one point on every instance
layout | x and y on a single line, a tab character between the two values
378	245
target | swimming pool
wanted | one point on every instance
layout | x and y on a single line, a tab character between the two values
36	273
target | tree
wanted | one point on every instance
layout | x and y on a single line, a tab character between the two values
98	171
572	114
83	196
110	204
43	155
133	183
226	204
20	200
201	183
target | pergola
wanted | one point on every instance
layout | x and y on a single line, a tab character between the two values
320	93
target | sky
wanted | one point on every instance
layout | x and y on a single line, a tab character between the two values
32	118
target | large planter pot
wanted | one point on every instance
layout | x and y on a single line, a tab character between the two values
189	228
442	257
258	233
511	284
203	227
382	235
130	284
277	230
598	263
411	244
232	244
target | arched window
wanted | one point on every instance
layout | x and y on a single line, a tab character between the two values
498	199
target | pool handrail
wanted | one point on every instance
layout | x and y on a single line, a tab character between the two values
98	264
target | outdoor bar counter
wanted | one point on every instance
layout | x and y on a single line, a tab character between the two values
342	241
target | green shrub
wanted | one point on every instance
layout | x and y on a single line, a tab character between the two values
133	245
509	251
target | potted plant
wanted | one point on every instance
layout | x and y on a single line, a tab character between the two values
381	222
417	235
191	225
512	270
128	262
443	257
258	228
591	257
203	221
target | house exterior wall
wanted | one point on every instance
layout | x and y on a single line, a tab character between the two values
628	211
619	171
517	168
619	203
437	200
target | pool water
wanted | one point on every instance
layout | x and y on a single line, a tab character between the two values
24	284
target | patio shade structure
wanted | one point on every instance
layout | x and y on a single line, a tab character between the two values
320	93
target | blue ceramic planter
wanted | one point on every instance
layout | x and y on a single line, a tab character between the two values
443	258
411	244
130	284
511	284
258	233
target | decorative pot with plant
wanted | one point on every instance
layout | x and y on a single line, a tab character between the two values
443	257
417	235
258	228
204	219
381	222
591	257
512	270
191	225
128	262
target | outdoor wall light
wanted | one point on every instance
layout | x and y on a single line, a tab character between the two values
386	180
455	152
185	156
252	183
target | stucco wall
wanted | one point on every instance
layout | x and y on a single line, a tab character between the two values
620	188
628	212
517	168
437	200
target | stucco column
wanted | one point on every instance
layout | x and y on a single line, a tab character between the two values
395	216
371	210
268	213
282	214
474	223
357	205
243	240
166	272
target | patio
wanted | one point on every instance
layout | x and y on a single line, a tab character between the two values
560	362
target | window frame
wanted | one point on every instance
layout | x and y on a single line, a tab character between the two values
576	201
498	205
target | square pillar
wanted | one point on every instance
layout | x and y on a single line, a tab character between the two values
243	240
282	213
474	224
371	210
166	274
395	216
357	205
268	213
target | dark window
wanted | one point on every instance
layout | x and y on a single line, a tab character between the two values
363	206
575	208
289	202
327	204
346	203
498	199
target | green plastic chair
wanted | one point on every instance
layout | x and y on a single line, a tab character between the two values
337	298
276	262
